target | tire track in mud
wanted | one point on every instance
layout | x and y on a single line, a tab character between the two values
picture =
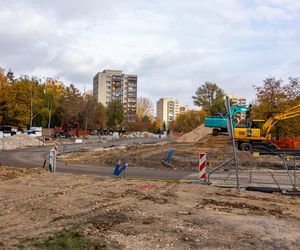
243	208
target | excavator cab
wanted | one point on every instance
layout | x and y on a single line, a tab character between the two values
257	123
251	132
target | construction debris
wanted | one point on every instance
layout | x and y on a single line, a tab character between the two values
144	134
195	135
167	160
19	141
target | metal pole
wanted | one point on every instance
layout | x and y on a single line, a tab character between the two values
231	133
31	106
287	170
274	179
218	167
54	161
236	163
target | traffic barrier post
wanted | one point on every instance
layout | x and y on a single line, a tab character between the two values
52	160
202	166
56	147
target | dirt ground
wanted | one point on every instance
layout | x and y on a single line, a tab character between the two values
185	157
112	213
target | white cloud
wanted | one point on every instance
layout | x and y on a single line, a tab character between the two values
172	46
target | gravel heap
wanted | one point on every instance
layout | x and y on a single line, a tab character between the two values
19	141
195	135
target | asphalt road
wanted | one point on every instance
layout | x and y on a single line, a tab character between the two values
35	157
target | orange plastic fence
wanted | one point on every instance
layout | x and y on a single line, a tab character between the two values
290	143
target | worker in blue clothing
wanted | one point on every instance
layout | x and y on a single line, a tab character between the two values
120	167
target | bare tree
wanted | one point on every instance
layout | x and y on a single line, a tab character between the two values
144	107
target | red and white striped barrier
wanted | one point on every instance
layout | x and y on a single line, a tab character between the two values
202	166
55	147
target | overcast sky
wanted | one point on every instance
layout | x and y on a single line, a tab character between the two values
172	45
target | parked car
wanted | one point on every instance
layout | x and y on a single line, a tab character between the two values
8	130
29	132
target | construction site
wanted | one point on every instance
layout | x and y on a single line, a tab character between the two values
150	125
44	210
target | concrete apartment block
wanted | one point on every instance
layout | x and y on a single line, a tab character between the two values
168	108
111	85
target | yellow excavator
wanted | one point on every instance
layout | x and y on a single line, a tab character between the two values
257	132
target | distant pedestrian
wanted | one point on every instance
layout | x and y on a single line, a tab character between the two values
120	167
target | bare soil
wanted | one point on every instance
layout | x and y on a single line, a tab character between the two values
7	173
195	135
116	213
218	149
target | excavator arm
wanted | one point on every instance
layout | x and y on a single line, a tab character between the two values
290	113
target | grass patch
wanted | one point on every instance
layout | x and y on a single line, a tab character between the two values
68	240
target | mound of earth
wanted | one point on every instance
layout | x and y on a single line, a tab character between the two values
19	141
195	135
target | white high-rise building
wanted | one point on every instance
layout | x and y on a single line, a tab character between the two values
111	85
167	109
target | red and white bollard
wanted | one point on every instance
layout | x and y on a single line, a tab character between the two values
202	166
56	147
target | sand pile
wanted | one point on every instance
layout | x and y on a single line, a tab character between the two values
195	135
19	141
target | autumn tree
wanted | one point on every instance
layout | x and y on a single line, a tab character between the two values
71	103
158	123
114	114
36	99
10	76
292	90
270	97
274	97
4	88
18	99
93	114
164	126
142	124
18	104
52	97
210	98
